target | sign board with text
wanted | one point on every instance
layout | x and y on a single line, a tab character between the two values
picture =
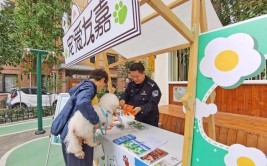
102	25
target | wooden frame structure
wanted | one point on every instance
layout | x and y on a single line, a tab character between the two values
198	22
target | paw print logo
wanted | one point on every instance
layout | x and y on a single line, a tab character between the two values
120	13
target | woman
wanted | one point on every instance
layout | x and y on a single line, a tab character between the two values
83	93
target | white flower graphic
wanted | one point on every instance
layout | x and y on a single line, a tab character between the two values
239	155
204	110
227	60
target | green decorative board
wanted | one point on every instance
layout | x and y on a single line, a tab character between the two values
227	57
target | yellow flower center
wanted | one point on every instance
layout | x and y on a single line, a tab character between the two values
244	161
226	60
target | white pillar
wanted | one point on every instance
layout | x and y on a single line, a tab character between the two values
161	77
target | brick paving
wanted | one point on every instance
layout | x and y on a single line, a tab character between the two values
10	141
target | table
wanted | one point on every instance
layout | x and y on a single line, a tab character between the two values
119	155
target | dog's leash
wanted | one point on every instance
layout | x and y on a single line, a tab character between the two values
105	113
103	131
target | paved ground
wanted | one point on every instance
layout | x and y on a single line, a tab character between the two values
19	146
14	134
23	126
10	141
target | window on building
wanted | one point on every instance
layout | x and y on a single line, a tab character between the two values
114	82
92	60
10	82
179	65
111	59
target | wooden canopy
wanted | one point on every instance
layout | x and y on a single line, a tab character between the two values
166	26
169	25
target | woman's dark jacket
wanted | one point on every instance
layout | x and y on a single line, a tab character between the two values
80	99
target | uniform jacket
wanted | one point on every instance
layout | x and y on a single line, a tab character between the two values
80	99
147	96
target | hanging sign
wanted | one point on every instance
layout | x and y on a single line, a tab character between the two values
102	25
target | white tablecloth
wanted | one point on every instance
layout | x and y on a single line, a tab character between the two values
118	155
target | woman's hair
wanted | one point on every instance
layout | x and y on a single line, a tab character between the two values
98	74
137	67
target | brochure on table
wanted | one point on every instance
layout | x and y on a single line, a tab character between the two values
147	146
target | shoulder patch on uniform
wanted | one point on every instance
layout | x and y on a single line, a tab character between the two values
155	93
151	84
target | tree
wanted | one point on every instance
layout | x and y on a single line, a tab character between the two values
232	11
31	24
124	69
10	46
39	23
126	66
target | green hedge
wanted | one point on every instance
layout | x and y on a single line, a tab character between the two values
17	114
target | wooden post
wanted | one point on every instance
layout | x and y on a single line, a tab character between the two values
211	118
155	14
97	60
203	17
105	59
172	19
189	97
204	28
158	52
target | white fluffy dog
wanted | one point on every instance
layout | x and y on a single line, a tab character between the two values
81	130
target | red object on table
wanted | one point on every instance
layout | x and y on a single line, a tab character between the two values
128	109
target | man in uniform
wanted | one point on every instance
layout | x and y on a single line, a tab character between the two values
144	94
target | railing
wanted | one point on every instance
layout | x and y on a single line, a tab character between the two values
262	75
250	131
